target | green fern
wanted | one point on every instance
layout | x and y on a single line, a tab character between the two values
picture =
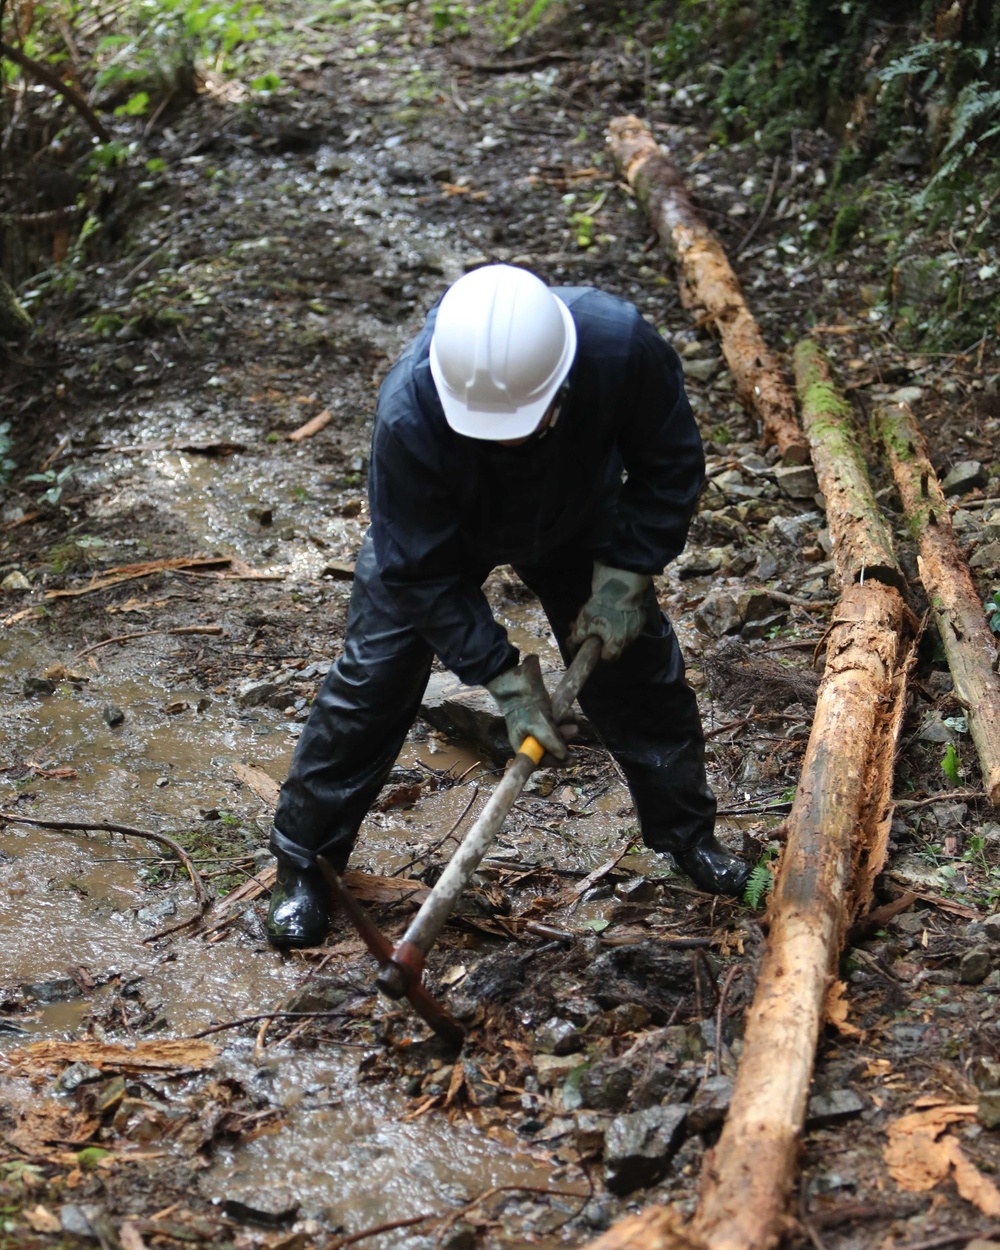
758	886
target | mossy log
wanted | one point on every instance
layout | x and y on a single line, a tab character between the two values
862	543
14	321
708	281
969	646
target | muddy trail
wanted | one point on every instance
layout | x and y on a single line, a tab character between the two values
175	587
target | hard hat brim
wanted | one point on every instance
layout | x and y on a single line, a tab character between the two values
494	424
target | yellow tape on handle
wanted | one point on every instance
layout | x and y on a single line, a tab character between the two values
532	748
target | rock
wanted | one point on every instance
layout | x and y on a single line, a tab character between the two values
33	686
263	1209
906	395
987	557
991	926
976	965
77	1074
554	1069
765	627
719	614
638	1147
793	531
321	994
468	712
797	481
256	693
263	516
56	991
950	817
701	369
919	282
636	890
112	715
156	913
15	581
832	1107
557	1037
965	476
589	1131
710	1104
934	729
606	1086
988	1109
77	1220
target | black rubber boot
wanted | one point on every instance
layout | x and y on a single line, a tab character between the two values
299	914
714	869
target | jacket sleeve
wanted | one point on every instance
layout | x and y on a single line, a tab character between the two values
663	457
419	552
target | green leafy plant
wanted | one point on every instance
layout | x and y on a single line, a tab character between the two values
951	764
992	606
56	480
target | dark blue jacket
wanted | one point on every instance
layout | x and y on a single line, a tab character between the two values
619	473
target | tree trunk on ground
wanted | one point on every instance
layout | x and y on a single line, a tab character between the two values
861	539
14	321
708	281
969	645
748	1180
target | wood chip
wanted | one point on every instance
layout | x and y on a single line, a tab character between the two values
312	426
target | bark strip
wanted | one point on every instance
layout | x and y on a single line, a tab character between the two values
969	646
861	539
707	280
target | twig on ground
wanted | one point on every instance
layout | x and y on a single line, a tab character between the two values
492	1192
954	1239
379	1228
763	212
720	1016
422	857
268	1016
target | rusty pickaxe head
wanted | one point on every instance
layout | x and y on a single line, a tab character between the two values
420	999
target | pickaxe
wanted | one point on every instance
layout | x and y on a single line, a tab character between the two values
402	966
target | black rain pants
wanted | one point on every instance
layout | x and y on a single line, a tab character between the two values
640	706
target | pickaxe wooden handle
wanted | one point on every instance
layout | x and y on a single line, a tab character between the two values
406	966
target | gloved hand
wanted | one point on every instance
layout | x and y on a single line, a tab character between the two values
524	702
614	611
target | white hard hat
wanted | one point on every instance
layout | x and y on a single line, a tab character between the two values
502	346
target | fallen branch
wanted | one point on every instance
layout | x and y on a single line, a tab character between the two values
708	281
43	74
969	646
202	896
149	633
267	1015
129	573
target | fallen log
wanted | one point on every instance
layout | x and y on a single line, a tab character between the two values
708	281
862	543
969	646
837	828
846	775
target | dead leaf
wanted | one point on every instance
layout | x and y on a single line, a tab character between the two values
42	1220
41	1127
835	1010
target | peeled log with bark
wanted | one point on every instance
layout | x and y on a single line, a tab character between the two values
969	646
861	538
708	280
748	1181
